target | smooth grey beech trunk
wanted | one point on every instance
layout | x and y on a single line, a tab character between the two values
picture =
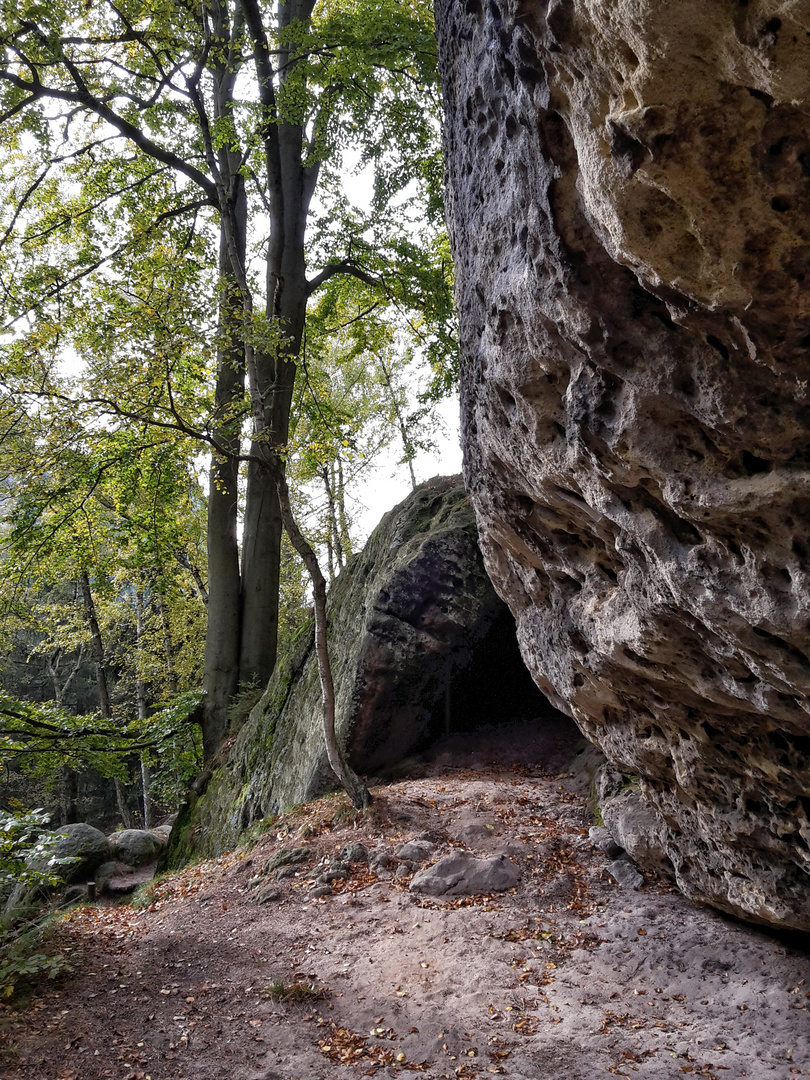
243	601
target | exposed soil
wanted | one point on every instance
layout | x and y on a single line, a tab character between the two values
566	976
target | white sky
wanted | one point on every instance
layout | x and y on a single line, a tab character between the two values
390	483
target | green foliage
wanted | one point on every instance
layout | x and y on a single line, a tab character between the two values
30	956
294	992
46	738
126	342
27	850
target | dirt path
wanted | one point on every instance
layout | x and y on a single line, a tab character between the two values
568	976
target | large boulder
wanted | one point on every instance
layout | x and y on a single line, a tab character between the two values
89	846
421	645
630	215
86	847
137	846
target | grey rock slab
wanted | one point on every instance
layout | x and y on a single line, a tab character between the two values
415	628
285	857
415	851
639	829
86	846
89	845
463	874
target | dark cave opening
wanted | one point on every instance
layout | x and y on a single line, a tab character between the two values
488	687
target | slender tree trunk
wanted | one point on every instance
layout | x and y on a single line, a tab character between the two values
330	524
69	780
407	445
171	674
354	786
345	538
140	698
97	648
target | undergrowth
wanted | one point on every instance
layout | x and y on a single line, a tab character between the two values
281	991
146	895
31	954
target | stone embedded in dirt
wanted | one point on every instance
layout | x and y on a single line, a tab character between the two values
319	891
268	895
415	851
476	831
335	873
354	852
604	842
285	857
630	219
136	846
462	874
626	874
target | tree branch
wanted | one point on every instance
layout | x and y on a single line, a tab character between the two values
345	266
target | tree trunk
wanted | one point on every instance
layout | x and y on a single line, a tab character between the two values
69	796
171	674
353	785
97	647
140	697
221	663
261	570
69	780
340	498
330	524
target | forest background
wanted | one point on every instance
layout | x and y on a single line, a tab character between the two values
223	267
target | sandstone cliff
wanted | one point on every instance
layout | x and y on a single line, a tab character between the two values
629	201
421	647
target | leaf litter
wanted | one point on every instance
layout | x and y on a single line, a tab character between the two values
565	974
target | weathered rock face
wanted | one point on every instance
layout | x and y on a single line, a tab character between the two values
629	201
421	646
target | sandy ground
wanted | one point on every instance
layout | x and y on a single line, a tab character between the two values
567	976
